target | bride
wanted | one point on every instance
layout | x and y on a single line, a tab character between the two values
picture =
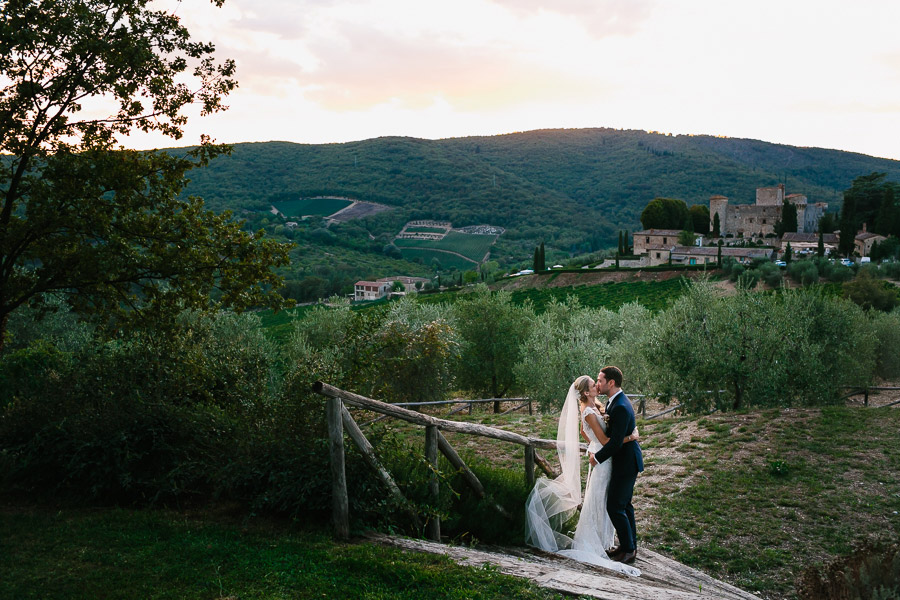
553	502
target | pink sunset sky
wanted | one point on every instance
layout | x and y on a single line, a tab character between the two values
805	73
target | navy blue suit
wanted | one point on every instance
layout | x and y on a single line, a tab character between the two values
627	462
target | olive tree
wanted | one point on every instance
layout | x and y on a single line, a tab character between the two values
562	345
750	349
491	332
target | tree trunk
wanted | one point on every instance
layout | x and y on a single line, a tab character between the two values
738	396
3	322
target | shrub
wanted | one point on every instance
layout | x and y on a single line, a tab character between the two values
886	327
870	572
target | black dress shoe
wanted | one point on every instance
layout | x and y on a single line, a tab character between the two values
627	557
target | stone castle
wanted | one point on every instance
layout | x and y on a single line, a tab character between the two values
758	220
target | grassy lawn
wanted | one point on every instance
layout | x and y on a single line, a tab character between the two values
115	553
751	498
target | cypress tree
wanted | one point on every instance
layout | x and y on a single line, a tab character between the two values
820	249
543	262
621	249
716	232
847	225
788	253
625	244
719	253
537	258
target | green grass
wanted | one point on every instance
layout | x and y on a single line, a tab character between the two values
115	553
768	494
655	295
311	206
447	260
471	246
752	498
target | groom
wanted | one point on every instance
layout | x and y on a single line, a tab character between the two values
627	462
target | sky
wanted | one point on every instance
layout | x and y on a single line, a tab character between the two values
822	73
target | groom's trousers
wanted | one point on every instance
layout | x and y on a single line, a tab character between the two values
621	511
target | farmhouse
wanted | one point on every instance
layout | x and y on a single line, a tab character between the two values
371	290
808	243
864	241
694	255
409	283
654	238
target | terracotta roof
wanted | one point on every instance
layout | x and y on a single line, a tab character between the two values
867	235
809	238
726	251
674	232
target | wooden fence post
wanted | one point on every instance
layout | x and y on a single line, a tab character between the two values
340	505
433	527
529	466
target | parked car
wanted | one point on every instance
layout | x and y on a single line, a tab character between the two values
846	262
780	263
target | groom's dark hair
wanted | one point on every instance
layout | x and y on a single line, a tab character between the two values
613	374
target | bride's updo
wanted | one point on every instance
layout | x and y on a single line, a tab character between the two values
582	385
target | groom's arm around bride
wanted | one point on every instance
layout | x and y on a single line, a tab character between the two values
627	462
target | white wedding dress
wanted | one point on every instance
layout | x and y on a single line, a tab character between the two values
552	502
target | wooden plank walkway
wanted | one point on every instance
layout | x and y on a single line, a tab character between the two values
661	578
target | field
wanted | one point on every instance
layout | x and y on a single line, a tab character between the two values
311	206
447	260
471	246
655	295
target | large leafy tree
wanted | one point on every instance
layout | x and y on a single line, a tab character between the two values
665	213
491	332
80	216
874	202
700	217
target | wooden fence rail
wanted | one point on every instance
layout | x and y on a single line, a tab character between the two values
856	391
339	418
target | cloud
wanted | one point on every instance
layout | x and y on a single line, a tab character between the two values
367	67
600	18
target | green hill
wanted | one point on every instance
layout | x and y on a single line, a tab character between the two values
572	189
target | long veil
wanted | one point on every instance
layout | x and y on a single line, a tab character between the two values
552	502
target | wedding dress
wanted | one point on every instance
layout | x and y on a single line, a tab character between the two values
552	502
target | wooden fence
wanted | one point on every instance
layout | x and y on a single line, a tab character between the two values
339	419
857	391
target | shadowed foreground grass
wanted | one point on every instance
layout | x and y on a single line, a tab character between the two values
116	553
752	498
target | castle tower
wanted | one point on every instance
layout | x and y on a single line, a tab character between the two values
770	196
718	205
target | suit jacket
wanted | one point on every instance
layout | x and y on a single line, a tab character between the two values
627	459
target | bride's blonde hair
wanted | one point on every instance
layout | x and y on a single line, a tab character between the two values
582	385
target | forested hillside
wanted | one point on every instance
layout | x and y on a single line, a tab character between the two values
534	183
572	189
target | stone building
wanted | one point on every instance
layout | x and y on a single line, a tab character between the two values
808	243
409	283
652	238
694	255
759	219
864	241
